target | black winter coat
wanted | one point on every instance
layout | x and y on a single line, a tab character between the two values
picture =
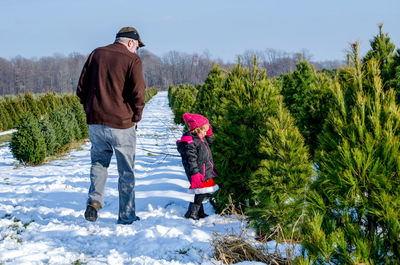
196	155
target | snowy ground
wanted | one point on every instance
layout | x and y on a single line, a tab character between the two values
7	132
41	208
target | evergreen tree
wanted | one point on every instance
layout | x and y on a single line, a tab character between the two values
208	98
383	50
3	114
307	95
58	102
354	208
394	81
248	102
80	117
49	135
63	128
6	121
171	95
150	93
49	102
67	99
19	99
184	98
18	107
73	123
40	106
12	113
30	105
27	143
284	173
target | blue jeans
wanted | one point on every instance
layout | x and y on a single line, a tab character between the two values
104	141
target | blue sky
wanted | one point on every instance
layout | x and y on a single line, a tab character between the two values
36	28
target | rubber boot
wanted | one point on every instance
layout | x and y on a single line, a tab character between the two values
202	214
193	211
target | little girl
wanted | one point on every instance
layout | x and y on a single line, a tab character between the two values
194	148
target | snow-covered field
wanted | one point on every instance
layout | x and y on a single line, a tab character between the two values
41	208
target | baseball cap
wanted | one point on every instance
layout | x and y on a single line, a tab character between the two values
130	32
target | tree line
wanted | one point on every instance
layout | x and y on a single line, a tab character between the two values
60	73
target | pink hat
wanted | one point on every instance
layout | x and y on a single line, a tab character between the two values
195	120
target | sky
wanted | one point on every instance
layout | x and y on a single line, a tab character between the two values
222	28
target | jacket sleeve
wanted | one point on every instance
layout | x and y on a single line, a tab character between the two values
189	157
210	139
138	93
82	90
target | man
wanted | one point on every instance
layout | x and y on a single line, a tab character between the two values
112	90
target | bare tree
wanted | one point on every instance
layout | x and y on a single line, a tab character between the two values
6	74
59	73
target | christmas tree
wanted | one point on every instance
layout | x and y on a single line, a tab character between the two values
27	143
256	143
353	213
280	183
307	95
208	98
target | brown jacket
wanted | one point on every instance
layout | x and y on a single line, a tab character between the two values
112	88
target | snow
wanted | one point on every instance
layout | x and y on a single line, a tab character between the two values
41	208
7	132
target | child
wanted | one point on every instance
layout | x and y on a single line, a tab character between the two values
194	148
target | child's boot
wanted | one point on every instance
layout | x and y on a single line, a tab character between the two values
193	211
202	214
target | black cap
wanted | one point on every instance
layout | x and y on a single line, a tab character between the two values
130	32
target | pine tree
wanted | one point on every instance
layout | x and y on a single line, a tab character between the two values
63	128
49	102
40	105
184	98
284	173
80	117
5	117
395	75
49	135
12	113
248	101
354	213
73	123
171	95
208	98
150	93
18	107
307	95
383	50
30	105
27	143
67	99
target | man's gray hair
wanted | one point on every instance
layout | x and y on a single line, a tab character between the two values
123	39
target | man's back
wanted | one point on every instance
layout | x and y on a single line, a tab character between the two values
112	88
